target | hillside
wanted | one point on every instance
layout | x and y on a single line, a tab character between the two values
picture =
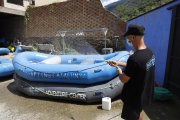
112	6
128	9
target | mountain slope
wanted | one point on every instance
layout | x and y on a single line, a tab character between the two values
128	9
112	6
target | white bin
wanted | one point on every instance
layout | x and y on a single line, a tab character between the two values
106	103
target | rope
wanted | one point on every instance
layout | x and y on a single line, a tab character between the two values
72	71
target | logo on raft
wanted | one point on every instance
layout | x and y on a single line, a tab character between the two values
63	94
64	75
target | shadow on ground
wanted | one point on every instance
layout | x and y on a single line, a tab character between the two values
164	110
167	110
13	89
6	78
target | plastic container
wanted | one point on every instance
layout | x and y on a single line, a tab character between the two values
106	103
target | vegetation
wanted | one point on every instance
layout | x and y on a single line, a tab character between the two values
129	9
27	14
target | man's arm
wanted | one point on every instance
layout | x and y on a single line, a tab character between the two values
114	63
124	78
121	64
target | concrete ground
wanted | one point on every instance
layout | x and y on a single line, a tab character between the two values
164	110
17	106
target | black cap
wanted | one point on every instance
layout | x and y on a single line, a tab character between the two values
135	29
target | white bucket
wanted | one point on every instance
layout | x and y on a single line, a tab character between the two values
106	103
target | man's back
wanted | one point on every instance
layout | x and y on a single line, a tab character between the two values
140	68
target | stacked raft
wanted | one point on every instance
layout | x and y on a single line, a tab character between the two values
4	51
84	78
6	67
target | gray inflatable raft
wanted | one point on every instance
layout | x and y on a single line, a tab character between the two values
73	92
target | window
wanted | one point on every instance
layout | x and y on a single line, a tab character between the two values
17	2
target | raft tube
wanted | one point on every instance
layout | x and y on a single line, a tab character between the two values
74	69
4	51
23	48
71	92
6	67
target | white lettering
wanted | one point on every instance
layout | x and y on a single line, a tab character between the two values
66	94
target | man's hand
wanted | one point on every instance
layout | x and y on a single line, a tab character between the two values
114	63
111	63
124	78
118	70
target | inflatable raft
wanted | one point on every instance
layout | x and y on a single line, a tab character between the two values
74	69
23	48
72	92
4	51
6	67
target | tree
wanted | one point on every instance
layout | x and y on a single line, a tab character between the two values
132	8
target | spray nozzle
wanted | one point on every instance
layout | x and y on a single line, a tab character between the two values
107	61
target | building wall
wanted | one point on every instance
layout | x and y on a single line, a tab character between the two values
45	21
46	2
157	34
1	3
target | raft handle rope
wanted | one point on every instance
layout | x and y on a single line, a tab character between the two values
71	71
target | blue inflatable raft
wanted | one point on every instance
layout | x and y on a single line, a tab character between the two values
6	67
23	48
74	69
4	51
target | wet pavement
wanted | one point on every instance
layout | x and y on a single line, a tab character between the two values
16	106
164	110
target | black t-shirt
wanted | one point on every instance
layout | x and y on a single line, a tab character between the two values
140	68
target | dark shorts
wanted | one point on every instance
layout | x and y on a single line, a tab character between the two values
131	113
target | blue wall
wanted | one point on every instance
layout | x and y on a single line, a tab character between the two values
157	33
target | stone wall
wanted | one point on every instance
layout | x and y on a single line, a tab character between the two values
45	21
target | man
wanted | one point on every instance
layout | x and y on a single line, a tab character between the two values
138	77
